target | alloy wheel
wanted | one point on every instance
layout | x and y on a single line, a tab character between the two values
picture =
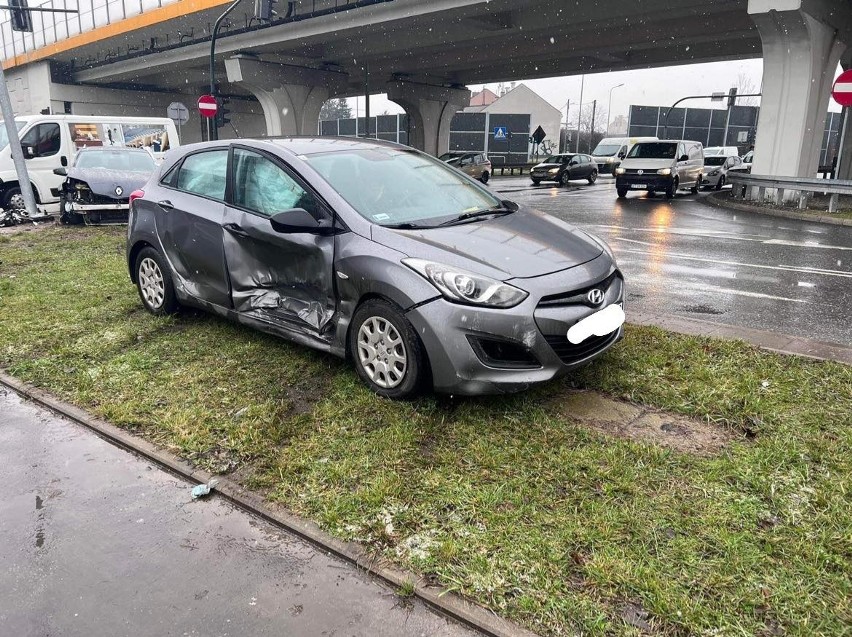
381	352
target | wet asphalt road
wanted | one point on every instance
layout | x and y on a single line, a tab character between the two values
689	259
95	541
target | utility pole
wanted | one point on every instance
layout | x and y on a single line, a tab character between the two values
592	125
21	21
609	107
580	116
212	131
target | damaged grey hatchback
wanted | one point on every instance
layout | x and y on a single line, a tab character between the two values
378	253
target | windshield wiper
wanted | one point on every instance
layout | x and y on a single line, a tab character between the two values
407	225
503	208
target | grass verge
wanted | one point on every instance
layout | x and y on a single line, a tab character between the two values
507	500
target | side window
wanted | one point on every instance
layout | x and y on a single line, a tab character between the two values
264	187
170	178
44	139
681	151
204	174
695	151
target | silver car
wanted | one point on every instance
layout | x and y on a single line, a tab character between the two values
376	252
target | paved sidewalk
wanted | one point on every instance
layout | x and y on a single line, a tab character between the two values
773	341
95	541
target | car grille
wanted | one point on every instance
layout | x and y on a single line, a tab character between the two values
578	297
569	353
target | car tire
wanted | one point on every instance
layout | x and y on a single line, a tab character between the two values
622	192
694	190
721	183
485	177
71	218
672	189
154	283
373	322
593	177
536	182
13	199
652	194
565	179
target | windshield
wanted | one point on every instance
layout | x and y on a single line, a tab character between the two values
116	160
606	150
388	186
715	161
653	150
555	159
4	137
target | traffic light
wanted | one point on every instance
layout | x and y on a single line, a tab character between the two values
222	112
264	10
21	18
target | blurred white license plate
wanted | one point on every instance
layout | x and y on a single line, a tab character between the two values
601	323
639	186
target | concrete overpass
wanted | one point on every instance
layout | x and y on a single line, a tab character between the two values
423	54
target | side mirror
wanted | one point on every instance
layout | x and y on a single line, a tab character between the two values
684	158
60	171
300	221
621	155
29	151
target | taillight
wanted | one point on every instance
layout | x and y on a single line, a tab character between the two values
136	194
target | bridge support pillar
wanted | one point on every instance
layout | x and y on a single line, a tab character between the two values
802	44
430	110
291	96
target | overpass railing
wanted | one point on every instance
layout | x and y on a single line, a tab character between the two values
779	189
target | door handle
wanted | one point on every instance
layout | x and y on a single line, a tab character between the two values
165	204
235	229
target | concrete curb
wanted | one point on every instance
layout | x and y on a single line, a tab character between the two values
438	598
721	200
772	341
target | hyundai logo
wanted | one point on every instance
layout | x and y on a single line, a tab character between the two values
595	296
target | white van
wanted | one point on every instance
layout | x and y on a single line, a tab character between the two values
661	166
52	141
611	150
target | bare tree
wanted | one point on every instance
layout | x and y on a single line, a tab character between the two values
745	86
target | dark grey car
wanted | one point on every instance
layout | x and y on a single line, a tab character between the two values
377	252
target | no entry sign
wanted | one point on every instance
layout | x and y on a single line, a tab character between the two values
842	92
207	106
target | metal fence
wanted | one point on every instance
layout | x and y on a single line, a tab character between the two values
473	132
709	126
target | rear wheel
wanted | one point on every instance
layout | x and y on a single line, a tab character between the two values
485	177
387	352
593	177
622	192
154	282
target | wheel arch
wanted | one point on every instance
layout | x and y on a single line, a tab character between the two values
133	254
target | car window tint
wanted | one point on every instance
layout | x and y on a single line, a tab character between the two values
204	174
262	186
44	139
170	178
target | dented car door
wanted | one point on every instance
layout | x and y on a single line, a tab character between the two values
283	278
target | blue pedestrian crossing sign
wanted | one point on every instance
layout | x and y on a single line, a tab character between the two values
500	132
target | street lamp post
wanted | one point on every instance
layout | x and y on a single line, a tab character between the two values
609	107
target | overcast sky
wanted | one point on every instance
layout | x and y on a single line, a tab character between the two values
648	87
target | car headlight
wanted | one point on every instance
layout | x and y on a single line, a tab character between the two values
609	160
462	286
619	171
664	171
713	173
553	171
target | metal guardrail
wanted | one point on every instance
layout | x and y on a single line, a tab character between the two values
754	187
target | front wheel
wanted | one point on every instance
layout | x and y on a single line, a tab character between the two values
565	179
154	282
67	215
721	183
593	177
485	177
671	190
694	190
387	352
536	182
14	200
622	192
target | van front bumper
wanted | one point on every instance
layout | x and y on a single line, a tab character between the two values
651	181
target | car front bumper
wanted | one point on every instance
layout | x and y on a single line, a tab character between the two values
82	208
451	333
650	181
710	180
544	176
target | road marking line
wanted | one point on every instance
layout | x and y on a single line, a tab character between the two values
786	268
722	234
